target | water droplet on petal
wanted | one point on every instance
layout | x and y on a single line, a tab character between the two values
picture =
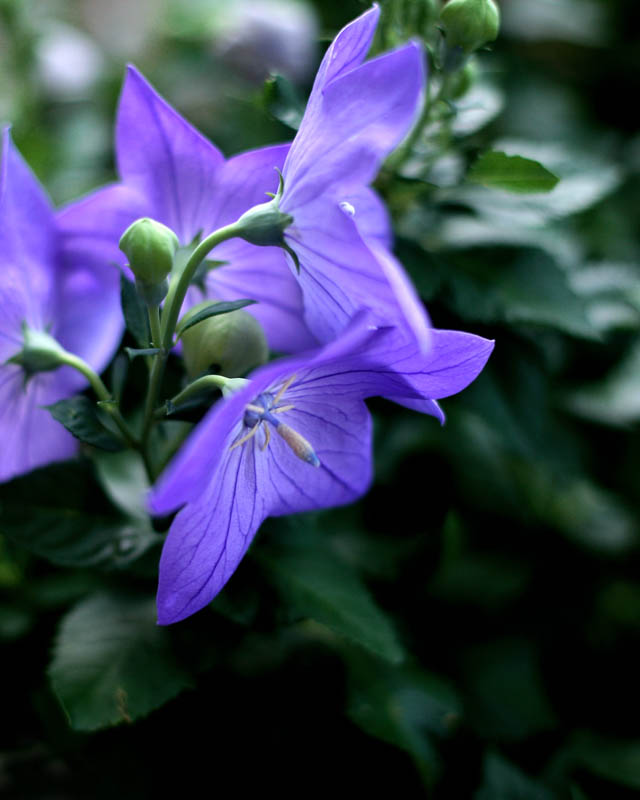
348	209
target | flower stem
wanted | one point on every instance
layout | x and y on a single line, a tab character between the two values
154	324
103	394
163	328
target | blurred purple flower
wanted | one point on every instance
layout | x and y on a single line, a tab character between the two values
51	288
296	438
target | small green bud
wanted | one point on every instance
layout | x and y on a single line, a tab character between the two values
265	224
150	247
470	23
232	343
40	352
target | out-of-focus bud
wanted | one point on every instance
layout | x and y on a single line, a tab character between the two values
230	344
257	37
151	248
470	23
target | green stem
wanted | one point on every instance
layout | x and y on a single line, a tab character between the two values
103	394
179	285
171	310
154	323
204	384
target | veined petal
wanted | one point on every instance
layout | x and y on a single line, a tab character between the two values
370	215
27	250
244	180
340	275
262	274
348	50
30	436
454	360
165	159
94	224
362	116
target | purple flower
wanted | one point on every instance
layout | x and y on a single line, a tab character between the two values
357	113
296	438
47	287
171	173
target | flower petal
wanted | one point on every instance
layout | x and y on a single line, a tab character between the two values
262	274
244	180
339	275
361	117
27	250
30	436
165	159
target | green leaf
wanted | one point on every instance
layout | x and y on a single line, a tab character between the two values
405	707
78	415
135	312
59	513
320	586
123	478
513	173
615	400
503	781
506	695
211	310
112	663
617	761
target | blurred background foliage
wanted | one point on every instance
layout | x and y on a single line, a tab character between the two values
471	627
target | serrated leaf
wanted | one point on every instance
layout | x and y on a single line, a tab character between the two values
615	760
513	173
78	415
318	585
211	310
59	513
112	663
135	312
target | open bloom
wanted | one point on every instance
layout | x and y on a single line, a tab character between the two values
45	287
171	173
357	113
297	437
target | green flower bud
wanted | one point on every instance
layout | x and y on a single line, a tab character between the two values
150	247
265	225
40	352
231	344
470	23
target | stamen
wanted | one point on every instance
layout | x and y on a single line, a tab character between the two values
283	408
300	446
267	438
246	438
283	389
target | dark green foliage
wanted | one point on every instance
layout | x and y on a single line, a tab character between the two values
79	416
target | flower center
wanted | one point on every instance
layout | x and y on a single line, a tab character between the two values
262	414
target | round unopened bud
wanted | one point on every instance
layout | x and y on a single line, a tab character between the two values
470	23
150	247
230	344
